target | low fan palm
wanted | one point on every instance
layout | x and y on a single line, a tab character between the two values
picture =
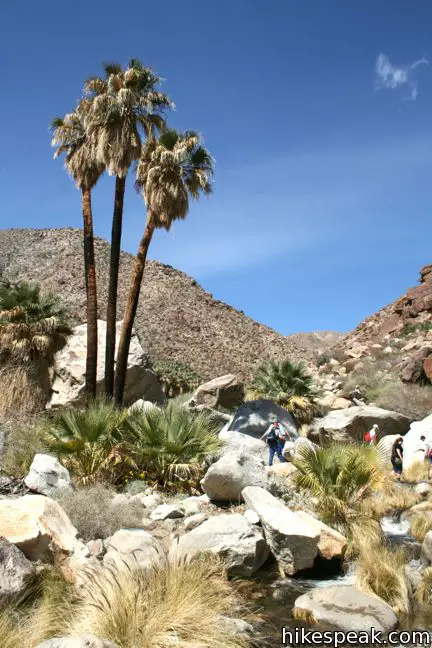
176	377
340	476
33	327
288	384
171	170
171	445
89	440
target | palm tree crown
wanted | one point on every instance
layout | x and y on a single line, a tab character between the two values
171	169
32	326
123	105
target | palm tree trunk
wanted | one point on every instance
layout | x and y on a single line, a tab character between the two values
111	315
90	279
130	311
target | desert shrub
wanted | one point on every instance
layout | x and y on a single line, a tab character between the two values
176	377
175	601
323	359
371	379
382	571
288	384
415	401
339	476
23	442
89	441
136	486
92	511
421	524
409	328
388	498
424	588
417	472
169	446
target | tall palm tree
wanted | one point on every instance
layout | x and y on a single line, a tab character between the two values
171	169
71	138
126	105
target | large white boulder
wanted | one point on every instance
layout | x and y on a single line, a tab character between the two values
38	526
47	475
16	571
225	479
240	544
413	447
352	423
134	547
69	374
346	608
89	641
292	539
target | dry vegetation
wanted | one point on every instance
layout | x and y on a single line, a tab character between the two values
92	511
420	525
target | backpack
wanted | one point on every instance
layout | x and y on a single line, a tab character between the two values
367	437
272	435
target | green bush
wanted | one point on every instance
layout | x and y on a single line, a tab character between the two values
92	511
323	359
22	443
169	446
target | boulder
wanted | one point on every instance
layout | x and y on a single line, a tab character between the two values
132	546
346	608
47	475
226	391
351	424
230	536
254	417
16	572
413	447
194	504
292	540
69	375
251	516
166	511
150	501
239	442
194	521
38	526
331	543
89	641
413	369
225	479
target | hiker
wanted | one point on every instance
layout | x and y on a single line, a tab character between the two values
427	455
371	437
397	457
275	437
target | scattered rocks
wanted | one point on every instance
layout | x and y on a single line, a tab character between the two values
235	627
292	540
16	572
38	526
47	475
69	379
346	608
352	424
166	511
133	546
225	479
229	535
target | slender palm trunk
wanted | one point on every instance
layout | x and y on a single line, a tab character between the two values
130	311
111	315
90	279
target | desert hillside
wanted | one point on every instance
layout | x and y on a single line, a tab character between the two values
177	319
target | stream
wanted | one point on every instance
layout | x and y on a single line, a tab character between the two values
275	597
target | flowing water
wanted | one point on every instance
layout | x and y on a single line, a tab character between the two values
275	597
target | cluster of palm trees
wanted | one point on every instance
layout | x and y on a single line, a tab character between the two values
120	122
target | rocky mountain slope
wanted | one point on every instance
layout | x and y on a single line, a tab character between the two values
176	318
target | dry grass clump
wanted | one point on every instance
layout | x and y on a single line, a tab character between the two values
389	498
175	602
23	389
381	571
424	589
420	525
23	442
417	472
363	533
92	511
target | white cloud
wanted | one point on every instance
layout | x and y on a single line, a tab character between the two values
390	77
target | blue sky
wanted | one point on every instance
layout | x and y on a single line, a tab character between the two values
319	117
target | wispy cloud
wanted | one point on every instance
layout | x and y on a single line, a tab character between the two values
390	76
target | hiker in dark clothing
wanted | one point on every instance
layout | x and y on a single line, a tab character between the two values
275	436
397	457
